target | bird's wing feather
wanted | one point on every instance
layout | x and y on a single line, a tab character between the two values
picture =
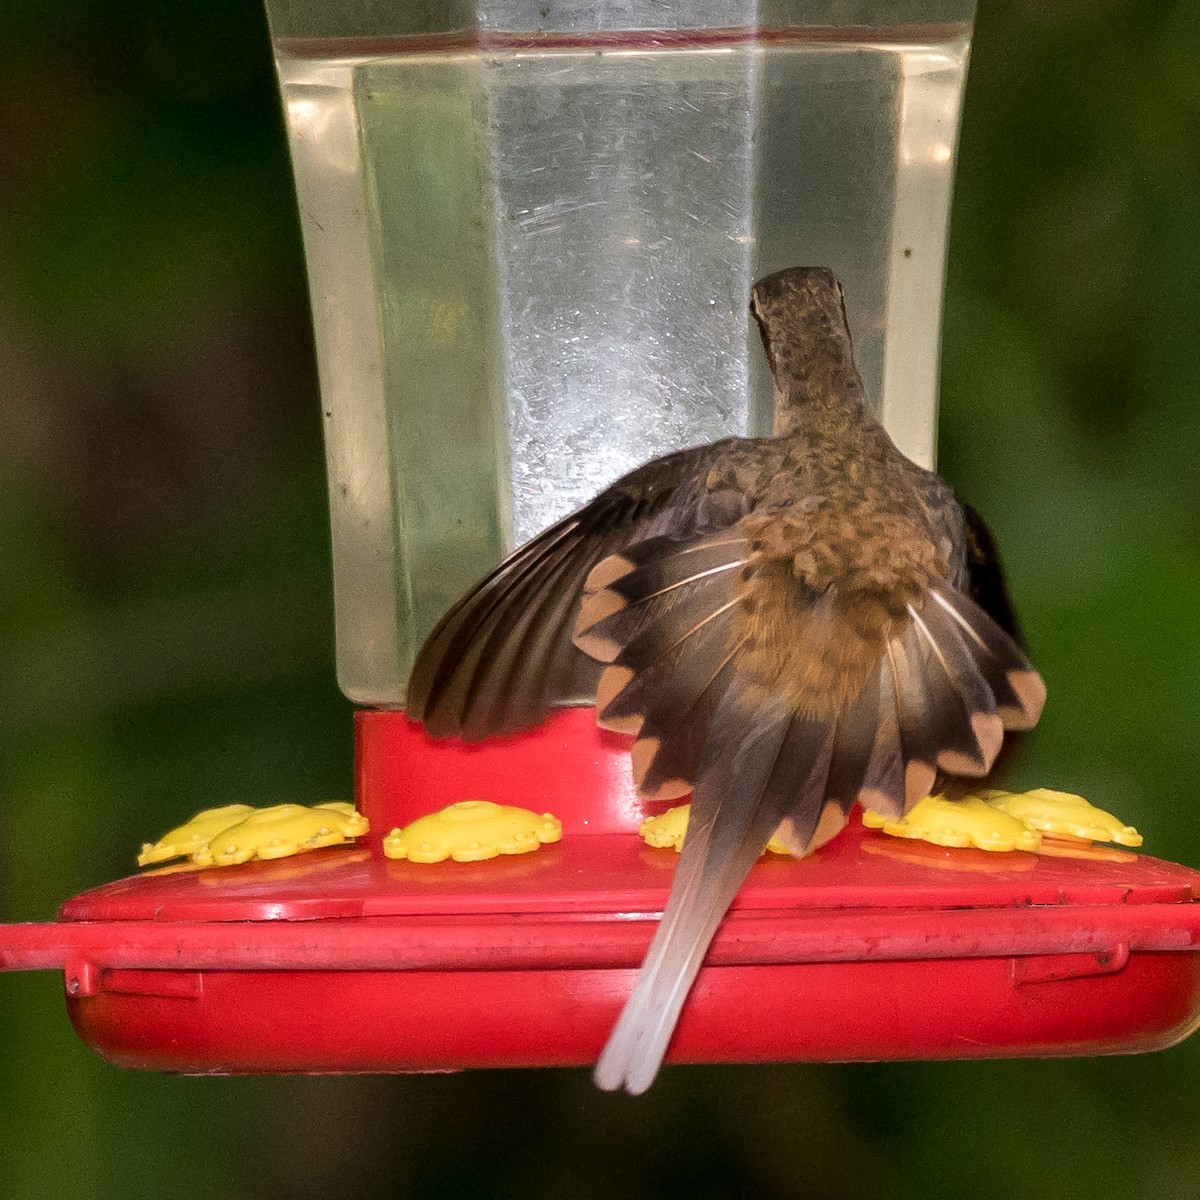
502	656
986	582
667	633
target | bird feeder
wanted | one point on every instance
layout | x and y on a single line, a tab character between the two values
531	230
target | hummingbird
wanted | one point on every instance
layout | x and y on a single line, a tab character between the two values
785	625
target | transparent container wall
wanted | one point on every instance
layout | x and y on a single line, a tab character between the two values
531	231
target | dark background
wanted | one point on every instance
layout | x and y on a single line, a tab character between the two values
165	616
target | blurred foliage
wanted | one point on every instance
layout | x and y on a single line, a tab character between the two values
165	624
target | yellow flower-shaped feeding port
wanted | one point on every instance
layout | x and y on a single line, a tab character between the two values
222	837
1001	821
958	823
668	830
195	835
1064	815
471	831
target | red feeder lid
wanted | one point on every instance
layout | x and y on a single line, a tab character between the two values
872	948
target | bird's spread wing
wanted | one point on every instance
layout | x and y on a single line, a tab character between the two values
502	656
667	617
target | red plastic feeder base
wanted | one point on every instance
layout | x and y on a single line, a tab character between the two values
343	960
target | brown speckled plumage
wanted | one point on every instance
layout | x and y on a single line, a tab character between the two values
786	626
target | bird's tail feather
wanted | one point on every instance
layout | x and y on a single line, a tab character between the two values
664	622
747	784
952	683
1018	689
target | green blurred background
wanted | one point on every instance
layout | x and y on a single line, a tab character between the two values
165	617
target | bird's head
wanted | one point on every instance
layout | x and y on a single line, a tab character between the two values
801	315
